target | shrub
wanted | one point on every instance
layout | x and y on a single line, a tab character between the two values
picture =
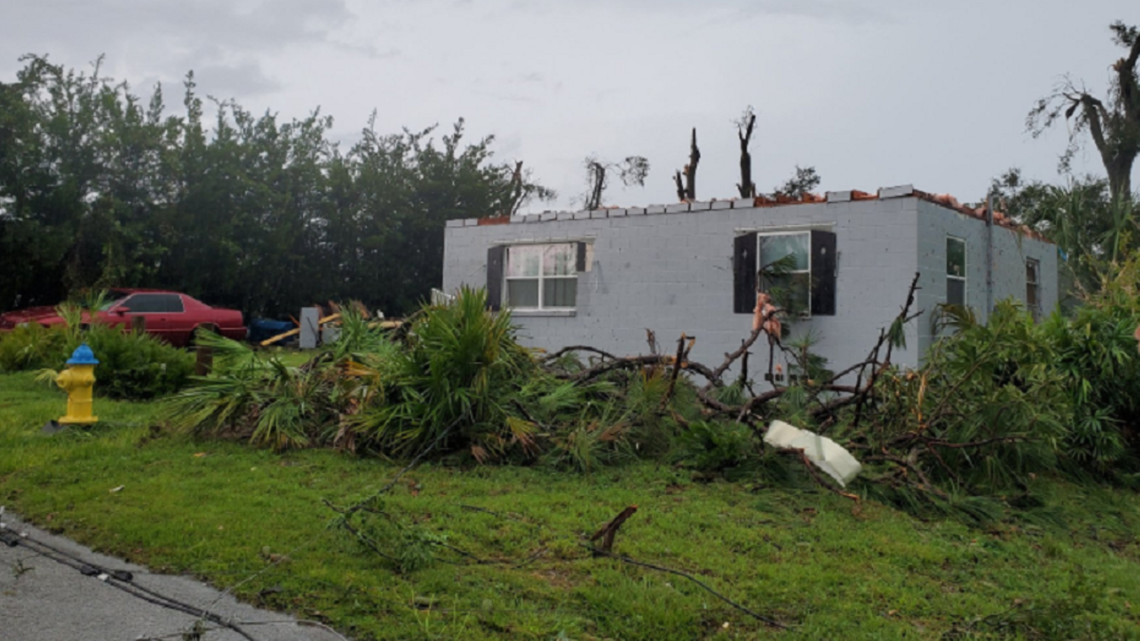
1095	352
135	366
985	411
717	446
33	346
131	366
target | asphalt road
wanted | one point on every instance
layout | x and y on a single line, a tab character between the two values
44	599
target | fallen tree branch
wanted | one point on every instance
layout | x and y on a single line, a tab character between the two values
824	484
634	362
609	530
678	363
579	348
660	568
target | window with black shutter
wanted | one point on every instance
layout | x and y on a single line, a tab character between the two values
536	277
797	268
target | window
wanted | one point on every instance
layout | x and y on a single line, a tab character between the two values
785	269
153	303
536	277
804	263
955	271
1033	288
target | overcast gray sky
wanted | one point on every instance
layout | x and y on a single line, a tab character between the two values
871	92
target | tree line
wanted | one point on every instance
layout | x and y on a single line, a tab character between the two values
101	188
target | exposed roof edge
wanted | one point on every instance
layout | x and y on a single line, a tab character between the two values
854	195
1000	219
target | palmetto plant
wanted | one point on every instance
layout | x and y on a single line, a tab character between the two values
248	394
454	384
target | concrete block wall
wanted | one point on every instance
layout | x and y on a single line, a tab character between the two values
672	272
1011	250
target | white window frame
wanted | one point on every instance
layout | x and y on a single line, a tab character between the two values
805	313
1035	310
541	278
965	269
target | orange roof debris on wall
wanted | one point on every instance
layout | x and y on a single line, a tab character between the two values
1000	219
944	200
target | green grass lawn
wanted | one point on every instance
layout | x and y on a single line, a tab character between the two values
222	511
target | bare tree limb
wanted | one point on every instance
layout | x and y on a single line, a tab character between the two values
691	168
746	188
579	348
609	530
660	568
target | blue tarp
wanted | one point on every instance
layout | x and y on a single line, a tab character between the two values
261	329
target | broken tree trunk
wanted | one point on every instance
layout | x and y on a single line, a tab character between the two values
680	186
746	187
610	529
597	184
515	191
691	168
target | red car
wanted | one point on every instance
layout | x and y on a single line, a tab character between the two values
170	316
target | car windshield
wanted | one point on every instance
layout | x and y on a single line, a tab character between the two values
114	300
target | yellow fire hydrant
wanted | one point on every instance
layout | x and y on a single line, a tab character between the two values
78	380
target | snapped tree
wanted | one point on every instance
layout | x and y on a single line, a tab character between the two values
687	189
1113	123
746	188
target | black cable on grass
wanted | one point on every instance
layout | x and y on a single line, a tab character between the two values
301	623
121	580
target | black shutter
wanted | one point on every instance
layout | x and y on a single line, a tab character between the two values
744	270
823	273
495	277
581	257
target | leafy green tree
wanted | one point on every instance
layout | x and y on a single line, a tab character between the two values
99	188
631	171
1090	227
803	181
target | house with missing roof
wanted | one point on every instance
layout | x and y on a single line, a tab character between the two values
602	277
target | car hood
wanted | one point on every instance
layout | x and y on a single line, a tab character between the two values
30	314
